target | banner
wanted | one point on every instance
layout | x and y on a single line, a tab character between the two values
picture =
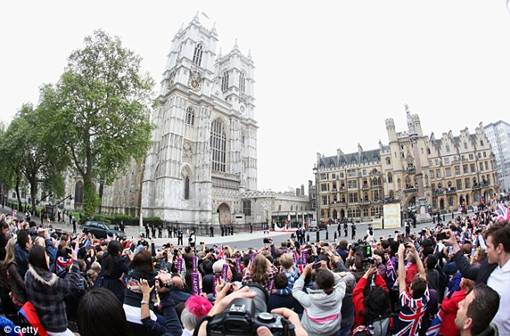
391	215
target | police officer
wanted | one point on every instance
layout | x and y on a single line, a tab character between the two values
222	230
211	231
345	228
353	230
179	237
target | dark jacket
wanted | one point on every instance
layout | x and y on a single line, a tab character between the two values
285	301
15	283
478	273
21	256
47	292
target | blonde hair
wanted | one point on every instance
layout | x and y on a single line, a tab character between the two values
40	241
9	251
286	260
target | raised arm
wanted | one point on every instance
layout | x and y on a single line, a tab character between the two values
401	269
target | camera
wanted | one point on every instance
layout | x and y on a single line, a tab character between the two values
443	235
244	316
370	261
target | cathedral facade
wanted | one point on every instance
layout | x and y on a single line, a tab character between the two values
204	146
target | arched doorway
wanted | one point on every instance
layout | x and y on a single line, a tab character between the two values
342	213
335	214
224	215
441	204
78	195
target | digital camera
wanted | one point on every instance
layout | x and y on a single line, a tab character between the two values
244	316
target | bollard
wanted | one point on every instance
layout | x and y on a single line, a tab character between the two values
335	235
327	235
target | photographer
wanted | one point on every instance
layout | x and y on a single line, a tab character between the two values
370	298
322	306
223	301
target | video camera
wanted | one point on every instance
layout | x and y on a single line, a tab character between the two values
244	316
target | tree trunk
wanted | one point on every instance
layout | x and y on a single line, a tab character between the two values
17	192
101	186
33	193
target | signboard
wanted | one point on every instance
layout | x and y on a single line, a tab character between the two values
391	214
377	223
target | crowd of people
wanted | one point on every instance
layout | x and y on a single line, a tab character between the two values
449	279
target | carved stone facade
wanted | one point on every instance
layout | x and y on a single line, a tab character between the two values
204	148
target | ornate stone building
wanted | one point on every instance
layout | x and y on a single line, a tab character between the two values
443	173
204	148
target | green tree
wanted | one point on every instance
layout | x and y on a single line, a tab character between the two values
34	153
101	112
10	169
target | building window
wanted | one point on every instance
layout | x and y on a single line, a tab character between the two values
465	145
438	173
448	172
473	168
190	116
486	165
481	166
481	142
353	198
247	207
242	82
471	156
365	212
324	200
428	150
390	178
467	183
224	82
186	188
447	148
459	184
351	184
457	170
484	154
388	161
197	55
218	146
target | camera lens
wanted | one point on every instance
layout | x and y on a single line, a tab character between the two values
260	299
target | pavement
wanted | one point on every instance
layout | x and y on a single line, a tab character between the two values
246	240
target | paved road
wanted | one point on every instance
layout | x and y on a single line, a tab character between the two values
255	239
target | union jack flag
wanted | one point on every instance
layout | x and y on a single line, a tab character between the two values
502	212
409	318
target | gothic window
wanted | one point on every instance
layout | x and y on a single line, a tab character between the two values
481	142
197	55
224	82
388	162
218	146
390	178
242	82
186	188
190	116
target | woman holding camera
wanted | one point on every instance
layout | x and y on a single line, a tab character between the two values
370	298
113	268
322	306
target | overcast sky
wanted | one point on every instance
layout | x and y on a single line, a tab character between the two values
327	72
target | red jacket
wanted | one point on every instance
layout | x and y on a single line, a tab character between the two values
358	298
448	311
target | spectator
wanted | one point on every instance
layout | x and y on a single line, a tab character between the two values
261	271
476	312
113	268
323	305
195	310
449	308
4	237
12	282
280	298
22	250
413	301
100	313
287	263
371	301
46	291
494	271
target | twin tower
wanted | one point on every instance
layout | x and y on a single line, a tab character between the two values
204	147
